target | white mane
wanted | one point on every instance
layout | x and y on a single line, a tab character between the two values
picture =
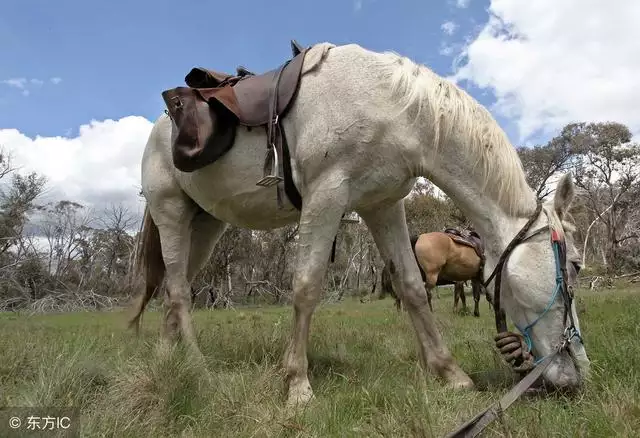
456	113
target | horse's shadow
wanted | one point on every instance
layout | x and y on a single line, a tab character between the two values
493	379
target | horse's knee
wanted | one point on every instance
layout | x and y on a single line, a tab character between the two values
415	295
178	292
305	291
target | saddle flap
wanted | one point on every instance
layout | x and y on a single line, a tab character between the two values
202	132
207	112
253	93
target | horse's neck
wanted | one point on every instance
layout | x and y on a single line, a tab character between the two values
455	176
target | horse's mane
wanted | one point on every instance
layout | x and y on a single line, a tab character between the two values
456	113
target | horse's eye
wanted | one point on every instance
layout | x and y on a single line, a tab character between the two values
576	266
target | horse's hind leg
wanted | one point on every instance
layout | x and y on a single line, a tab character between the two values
389	230
456	297
206	230
319	222
487	293
475	288
173	212
463	299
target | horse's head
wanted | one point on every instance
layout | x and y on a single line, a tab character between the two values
534	296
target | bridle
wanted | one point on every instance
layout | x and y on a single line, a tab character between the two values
478	423
559	247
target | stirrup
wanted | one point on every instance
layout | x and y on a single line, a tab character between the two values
272	179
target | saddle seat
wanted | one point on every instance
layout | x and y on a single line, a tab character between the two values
208	111
467	238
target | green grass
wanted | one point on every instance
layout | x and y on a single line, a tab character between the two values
363	368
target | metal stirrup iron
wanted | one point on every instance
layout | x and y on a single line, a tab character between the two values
273	178
273	128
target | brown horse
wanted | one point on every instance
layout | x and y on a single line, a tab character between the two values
448	257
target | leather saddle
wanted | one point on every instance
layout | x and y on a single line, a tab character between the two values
209	110
467	238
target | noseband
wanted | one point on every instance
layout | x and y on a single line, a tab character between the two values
477	424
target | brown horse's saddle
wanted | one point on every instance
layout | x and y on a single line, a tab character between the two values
209	110
468	238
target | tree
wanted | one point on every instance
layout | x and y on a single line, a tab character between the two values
17	202
542	163
66	228
608	172
426	212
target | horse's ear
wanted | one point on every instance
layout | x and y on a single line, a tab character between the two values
565	191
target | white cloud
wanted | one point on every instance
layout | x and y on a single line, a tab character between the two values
550	63
357	5
15	82
25	85
101	165
462	4
55	80
446	50
449	27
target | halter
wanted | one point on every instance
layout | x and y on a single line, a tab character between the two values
558	245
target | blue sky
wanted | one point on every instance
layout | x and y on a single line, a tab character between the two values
81	82
113	59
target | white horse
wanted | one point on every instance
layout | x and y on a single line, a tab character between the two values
363	127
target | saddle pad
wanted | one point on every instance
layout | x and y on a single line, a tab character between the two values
471	242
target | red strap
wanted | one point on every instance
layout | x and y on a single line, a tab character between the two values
554	236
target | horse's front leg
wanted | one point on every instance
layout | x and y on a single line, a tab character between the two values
388	227
319	222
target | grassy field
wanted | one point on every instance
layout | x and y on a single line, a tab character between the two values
363	367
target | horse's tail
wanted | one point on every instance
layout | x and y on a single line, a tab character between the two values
148	264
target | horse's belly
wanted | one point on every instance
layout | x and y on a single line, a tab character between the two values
230	194
459	272
238	202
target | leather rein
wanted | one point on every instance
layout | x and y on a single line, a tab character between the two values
478	423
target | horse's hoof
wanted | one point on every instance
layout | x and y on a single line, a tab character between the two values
462	385
460	381
299	397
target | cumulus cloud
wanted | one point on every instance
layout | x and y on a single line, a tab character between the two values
462	4
55	80
97	168
550	63
449	27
